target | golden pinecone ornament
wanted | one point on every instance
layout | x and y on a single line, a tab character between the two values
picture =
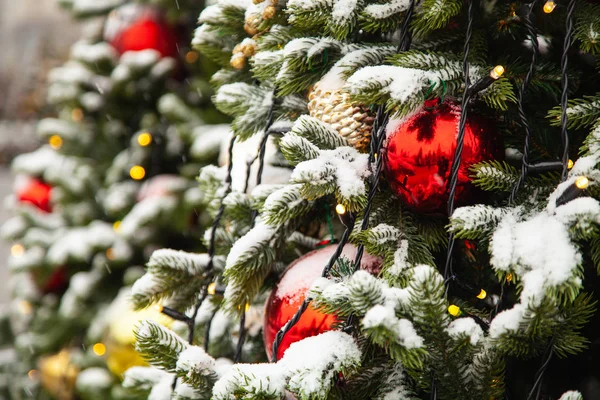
354	123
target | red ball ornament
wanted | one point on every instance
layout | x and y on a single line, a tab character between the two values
288	295
34	191
55	281
420	151
136	27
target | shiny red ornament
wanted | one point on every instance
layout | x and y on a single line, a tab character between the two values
55	281
288	295
420	151
35	192
137	27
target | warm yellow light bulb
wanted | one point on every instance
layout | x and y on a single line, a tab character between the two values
159	307
32	374
144	139
212	289
137	172
247	307
497	72
570	164
509	277
116	226
99	349
17	250
549	6
55	141
482	295
454	310
110	254
340	209
24	307
582	182
191	57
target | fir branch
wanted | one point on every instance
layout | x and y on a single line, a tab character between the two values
581	112
158	345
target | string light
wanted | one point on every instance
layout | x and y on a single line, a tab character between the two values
144	139
497	72
340	209
159	307
212	289
55	141
482	295
137	172
99	349
110	253
509	277
17	250
549	6
24	307
247	307
77	114
116	226
191	57
454	310
32	374
582	182
570	164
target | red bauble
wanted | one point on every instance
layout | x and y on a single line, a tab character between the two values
34	191
55	281
136	27
288	295
420	152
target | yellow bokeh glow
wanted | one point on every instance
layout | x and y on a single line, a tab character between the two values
24	307
137	172
482	295
116	226
212	289
110	253
454	310
77	114
17	250
582	182
549	6
340	209
191	57
570	164
99	349
55	141
497	72
144	139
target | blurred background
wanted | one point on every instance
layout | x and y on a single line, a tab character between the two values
35	35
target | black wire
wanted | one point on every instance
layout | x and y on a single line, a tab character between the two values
207	331
531	31
261	166
540	373
453	182
564	134
294	320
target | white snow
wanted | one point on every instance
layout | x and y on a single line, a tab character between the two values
260	234
194	360
571	395
311	376
544	43
507	321
343	11
94	379
191	263
257	377
386	10
466	327
403	329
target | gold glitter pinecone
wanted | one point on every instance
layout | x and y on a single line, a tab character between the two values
354	123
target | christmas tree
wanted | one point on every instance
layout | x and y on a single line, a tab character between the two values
116	179
457	143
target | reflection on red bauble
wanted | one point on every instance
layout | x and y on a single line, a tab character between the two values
137	27
34	191
288	295
420	150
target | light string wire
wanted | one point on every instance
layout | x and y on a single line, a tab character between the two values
453	182
376	143
564	99
191	321
565	161
261	165
535	51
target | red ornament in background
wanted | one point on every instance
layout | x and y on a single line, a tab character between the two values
420	151
34	191
135	27
55	281
288	295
